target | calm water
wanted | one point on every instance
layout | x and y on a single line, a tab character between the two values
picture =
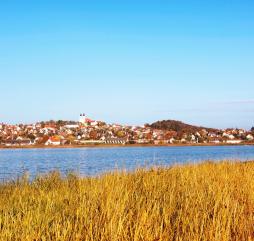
93	161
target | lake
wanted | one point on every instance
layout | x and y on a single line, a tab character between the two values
93	161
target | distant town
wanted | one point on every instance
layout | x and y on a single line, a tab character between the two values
86	131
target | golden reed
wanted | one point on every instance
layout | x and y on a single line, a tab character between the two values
207	201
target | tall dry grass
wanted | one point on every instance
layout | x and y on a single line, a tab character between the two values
207	201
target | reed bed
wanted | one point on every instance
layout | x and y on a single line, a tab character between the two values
207	201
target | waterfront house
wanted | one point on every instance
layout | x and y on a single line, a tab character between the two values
54	140
115	141
172	140
234	141
25	142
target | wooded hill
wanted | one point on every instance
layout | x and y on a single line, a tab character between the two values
178	126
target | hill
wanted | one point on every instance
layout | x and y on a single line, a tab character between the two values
178	126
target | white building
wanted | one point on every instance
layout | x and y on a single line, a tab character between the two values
233	141
250	137
71	126
82	118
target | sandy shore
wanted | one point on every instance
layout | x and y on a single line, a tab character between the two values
117	145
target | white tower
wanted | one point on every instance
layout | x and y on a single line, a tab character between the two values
82	118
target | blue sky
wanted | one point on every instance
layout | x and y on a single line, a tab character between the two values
128	61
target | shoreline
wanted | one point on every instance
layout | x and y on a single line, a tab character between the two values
119	145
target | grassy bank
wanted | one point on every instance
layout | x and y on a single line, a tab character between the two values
192	202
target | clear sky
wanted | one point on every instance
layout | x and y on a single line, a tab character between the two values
128	61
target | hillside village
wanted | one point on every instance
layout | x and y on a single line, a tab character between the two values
90	132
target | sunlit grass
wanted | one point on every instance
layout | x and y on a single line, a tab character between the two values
206	201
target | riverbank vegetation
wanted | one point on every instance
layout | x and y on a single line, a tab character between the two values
207	201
